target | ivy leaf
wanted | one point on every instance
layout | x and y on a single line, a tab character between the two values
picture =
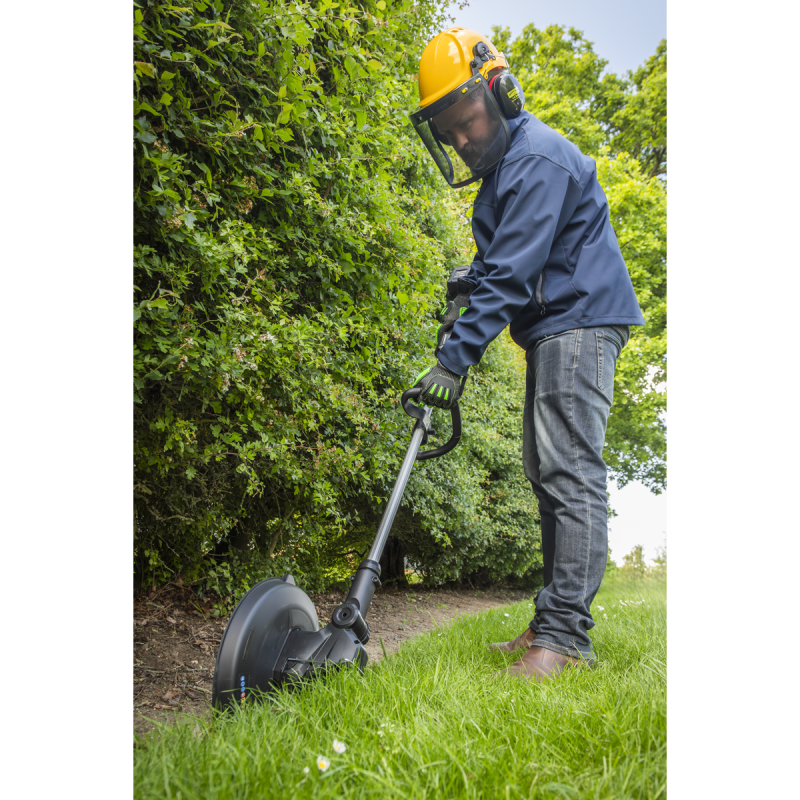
144	107
207	171
285	113
145	68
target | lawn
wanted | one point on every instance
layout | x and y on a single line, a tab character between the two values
431	722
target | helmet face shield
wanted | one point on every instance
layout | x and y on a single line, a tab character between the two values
465	132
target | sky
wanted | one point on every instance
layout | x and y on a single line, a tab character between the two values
641	519
625	32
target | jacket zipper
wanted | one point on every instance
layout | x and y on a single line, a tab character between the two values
539	293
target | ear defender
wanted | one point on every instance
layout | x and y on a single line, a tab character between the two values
508	93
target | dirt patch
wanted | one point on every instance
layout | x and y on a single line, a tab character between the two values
176	638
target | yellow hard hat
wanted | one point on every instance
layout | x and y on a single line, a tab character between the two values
461	110
450	59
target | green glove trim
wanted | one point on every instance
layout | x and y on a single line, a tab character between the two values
440	386
423	373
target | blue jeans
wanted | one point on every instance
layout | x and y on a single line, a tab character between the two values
569	392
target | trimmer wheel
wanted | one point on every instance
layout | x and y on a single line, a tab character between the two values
254	638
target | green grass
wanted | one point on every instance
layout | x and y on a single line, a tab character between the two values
431	722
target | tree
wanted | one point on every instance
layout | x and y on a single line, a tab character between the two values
633	564
564	84
634	112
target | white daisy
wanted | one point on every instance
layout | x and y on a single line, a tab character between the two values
322	763
338	746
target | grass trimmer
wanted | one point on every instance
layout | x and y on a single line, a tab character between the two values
273	637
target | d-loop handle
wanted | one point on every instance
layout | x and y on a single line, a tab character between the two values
419	413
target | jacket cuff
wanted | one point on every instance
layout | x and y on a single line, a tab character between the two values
459	369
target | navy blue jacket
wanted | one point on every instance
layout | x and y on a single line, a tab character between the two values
548	259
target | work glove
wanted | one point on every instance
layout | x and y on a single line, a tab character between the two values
440	386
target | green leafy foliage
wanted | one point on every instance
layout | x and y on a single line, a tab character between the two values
481	486
636	435
635	111
565	87
291	244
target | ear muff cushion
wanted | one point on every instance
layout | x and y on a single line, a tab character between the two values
508	93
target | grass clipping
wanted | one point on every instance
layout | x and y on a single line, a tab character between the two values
430	722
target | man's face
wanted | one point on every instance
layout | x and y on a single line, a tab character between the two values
467	128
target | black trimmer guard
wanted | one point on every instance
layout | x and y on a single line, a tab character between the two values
273	637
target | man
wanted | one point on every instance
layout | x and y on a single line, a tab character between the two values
549	265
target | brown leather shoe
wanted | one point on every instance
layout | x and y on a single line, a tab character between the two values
539	664
522	642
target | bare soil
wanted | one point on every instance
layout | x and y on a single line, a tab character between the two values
176	638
